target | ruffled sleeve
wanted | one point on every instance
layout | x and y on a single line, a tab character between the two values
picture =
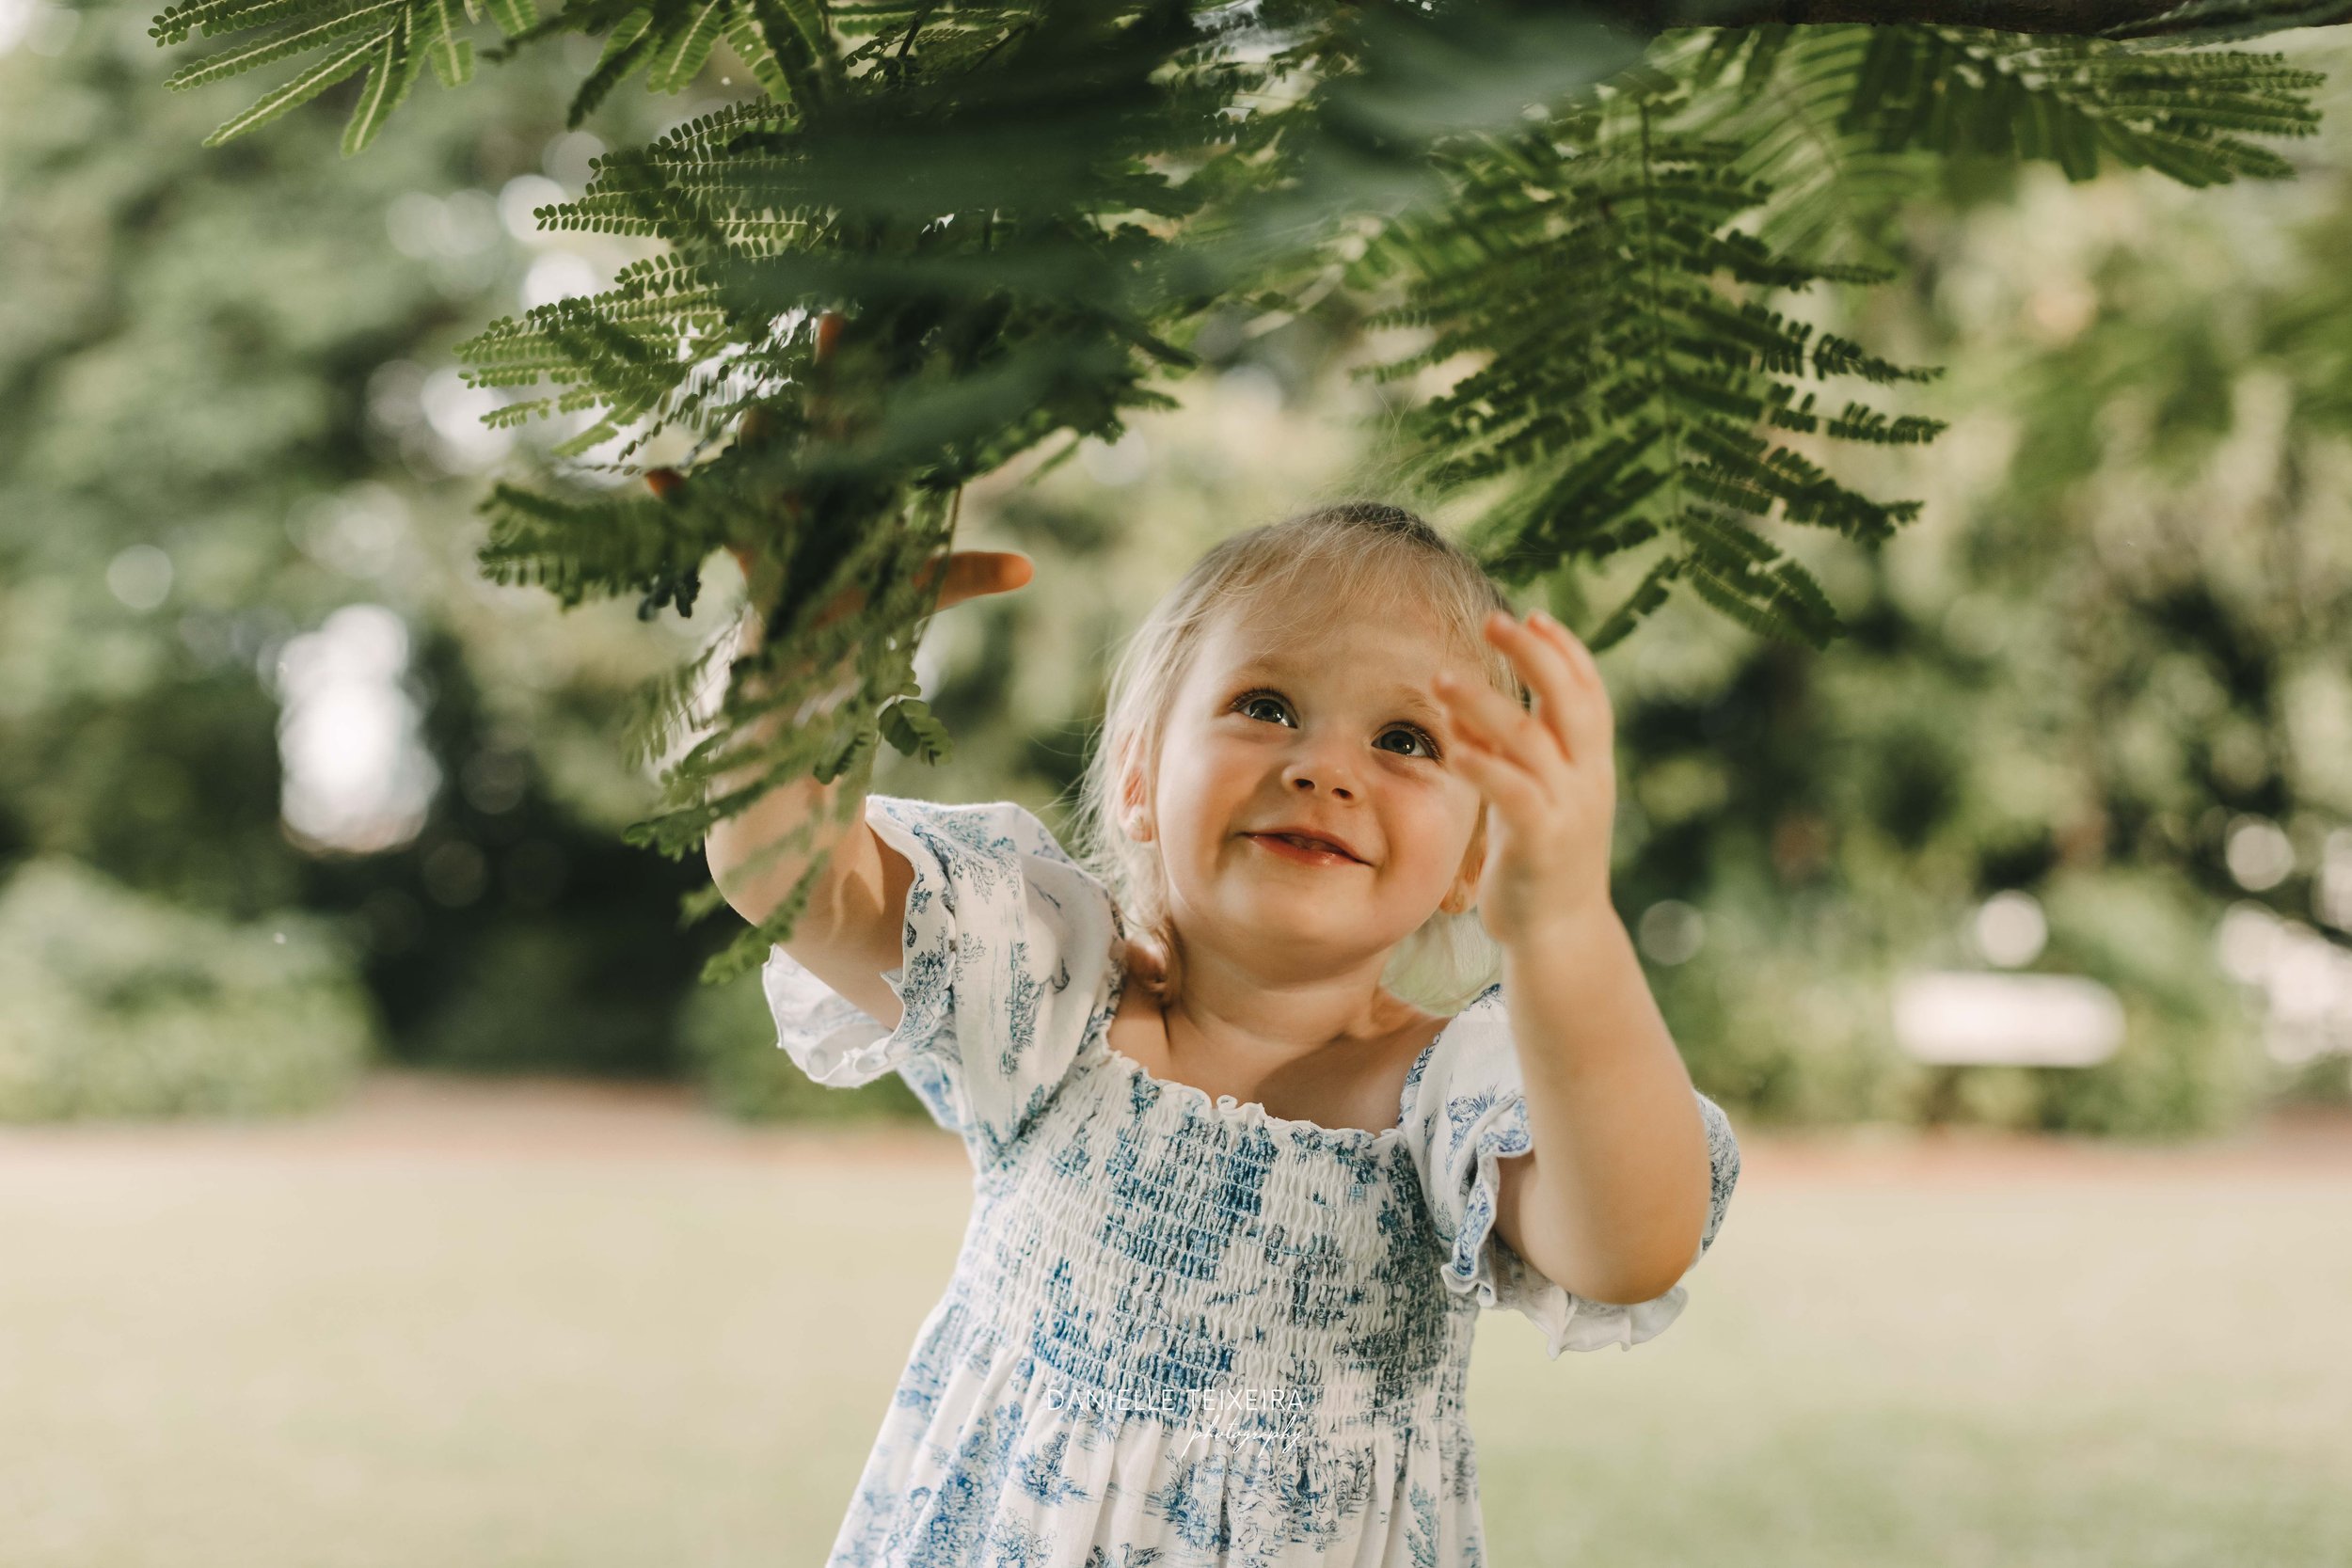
1006	962
1464	1110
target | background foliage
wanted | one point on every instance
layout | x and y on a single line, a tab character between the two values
120	1003
220	426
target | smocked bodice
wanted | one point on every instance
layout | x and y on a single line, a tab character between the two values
1154	1251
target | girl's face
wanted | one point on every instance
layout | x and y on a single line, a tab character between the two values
1338	730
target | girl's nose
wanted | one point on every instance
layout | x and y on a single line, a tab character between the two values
1318	767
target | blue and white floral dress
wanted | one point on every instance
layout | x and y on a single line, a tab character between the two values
1180	1330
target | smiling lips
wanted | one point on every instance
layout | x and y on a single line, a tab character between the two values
1311	847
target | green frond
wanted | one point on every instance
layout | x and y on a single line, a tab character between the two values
1632	367
1647	597
215	17
445	46
679	58
380	15
750	42
1845	121
390	75
350	58
908	725
629	45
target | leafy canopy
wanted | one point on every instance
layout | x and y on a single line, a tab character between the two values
930	237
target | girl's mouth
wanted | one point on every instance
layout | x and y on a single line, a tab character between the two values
1302	850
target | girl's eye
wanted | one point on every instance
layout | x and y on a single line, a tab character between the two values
1418	734
1244	704
1248	701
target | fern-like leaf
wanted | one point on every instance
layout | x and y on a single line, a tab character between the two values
333	69
390	77
1628	385
445	45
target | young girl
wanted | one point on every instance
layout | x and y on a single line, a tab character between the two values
1238	1204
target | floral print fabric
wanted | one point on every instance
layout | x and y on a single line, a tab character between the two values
1181	1330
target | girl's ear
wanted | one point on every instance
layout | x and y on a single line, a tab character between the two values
1134	820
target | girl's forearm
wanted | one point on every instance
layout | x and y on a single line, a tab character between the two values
1617	1198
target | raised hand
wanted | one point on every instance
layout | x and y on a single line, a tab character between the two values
971	574
1549	776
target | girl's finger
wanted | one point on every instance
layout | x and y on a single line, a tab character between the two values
1518	795
1591	722
973	573
969	575
1502	725
1579	658
1581	665
1550	677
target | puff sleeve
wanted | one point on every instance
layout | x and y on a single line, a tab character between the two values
1464	1110
1006	969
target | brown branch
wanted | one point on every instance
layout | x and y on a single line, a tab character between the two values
2078	18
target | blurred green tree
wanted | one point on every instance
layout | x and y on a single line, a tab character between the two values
121	1003
223	424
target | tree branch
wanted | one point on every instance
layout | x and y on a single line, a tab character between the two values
2079	18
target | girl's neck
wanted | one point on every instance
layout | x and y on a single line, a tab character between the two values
1353	1081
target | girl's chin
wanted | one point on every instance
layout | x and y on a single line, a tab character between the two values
1287	915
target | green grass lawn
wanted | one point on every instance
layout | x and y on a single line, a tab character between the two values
295	1357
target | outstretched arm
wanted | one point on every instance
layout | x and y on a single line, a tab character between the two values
1611	1200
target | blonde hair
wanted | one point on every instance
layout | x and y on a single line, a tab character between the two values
1355	555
